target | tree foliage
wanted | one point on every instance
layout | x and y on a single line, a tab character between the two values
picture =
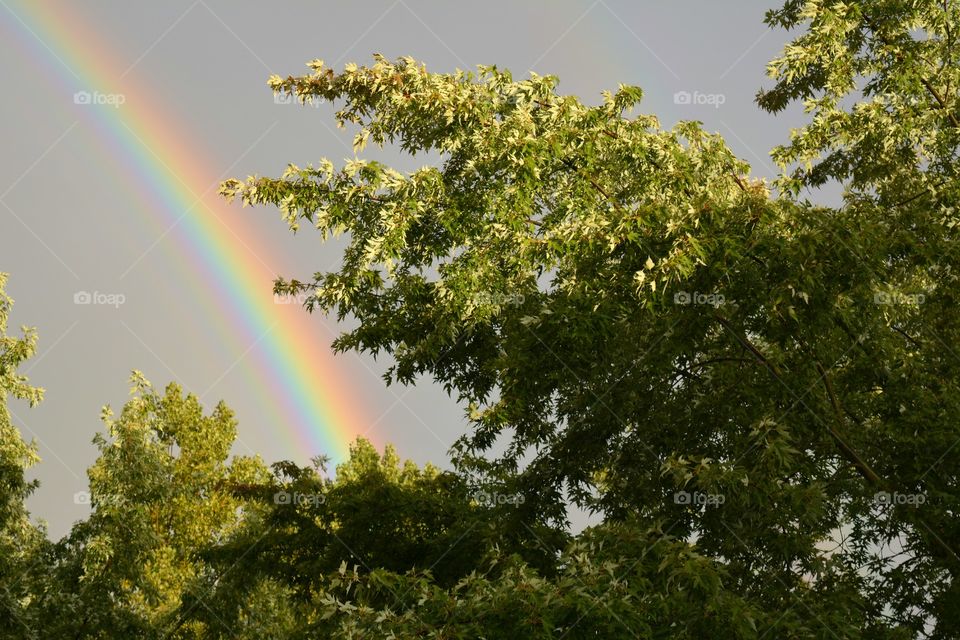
756	393
641	320
159	497
20	541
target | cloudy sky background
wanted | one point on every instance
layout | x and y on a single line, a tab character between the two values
70	222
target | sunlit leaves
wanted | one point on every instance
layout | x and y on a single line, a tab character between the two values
637	317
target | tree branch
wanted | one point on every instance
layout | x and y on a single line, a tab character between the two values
926	83
867	471
913	340
583	174
749	347
943	105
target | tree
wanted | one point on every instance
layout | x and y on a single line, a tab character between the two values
20	540
880	82
614	581
659	337
383	518
159	496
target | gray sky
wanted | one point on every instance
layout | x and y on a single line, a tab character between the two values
73	218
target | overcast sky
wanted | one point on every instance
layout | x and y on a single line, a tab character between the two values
74	219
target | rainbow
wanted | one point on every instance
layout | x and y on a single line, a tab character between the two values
295	371
292	369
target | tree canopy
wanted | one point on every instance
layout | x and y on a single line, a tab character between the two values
755	391
641	318
20	540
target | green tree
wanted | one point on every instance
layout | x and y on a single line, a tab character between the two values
159	496
390	550
614	581
377	515
20	540
658	337
880	81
